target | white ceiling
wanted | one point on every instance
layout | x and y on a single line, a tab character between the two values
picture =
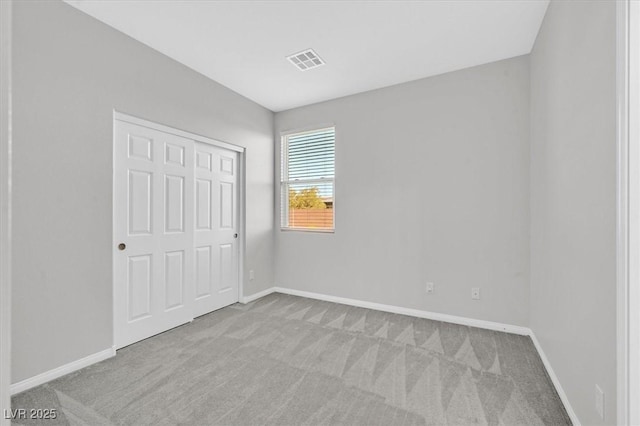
366	44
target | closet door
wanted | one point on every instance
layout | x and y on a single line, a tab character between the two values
216	228
153	232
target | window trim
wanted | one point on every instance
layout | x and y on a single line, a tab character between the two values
284	161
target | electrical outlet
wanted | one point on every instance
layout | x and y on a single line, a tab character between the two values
475	293
252	275
600	402
429	288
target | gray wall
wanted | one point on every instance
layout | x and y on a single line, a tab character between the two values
70	71
432	184
5	209
573	200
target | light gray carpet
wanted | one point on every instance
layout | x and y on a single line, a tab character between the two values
285	360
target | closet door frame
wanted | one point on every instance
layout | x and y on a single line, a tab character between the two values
240	214
628	212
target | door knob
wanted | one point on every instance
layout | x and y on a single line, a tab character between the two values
122	246
235	235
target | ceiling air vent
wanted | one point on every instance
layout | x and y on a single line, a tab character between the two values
305	60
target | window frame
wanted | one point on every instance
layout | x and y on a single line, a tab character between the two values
284	179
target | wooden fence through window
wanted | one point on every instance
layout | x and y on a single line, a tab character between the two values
311	218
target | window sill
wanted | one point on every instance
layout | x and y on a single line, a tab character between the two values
315	231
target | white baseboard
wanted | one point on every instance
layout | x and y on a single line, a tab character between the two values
255	296
47	376
555	380
490	325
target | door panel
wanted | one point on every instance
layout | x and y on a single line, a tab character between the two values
174	154
154	218
216	231
174	264
226	268
174	203
226	205
140	147
139	287
203	160
203	271
203	204
140	202
226	165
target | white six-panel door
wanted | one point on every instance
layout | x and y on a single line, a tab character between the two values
175	245
216	228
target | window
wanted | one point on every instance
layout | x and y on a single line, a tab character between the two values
308	180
